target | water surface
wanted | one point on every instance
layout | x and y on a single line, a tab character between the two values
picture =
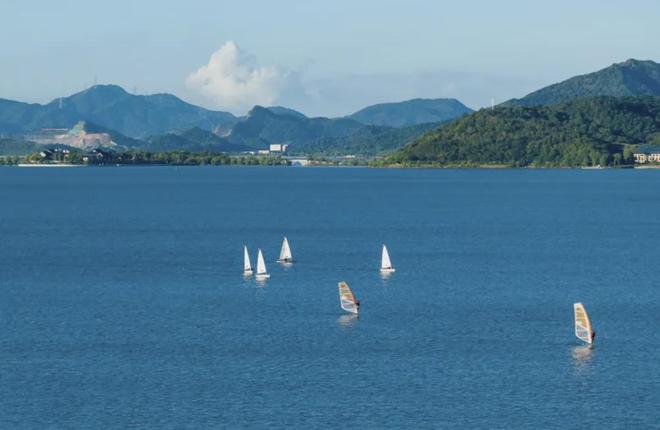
123	304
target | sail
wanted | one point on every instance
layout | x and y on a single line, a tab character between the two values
285	252
261	264
385	263
347	299
247	267
583	329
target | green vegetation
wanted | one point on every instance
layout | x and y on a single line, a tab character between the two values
586	132
193	140
142	158
17	147
630	78
320	136
366	142
9	160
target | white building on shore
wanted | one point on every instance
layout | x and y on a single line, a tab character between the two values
650	155
278	147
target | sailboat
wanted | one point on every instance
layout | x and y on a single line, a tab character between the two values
385	263
285	252
347	300
247	266
583	329
261	266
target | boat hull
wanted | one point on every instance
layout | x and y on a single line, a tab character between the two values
390	270
263	276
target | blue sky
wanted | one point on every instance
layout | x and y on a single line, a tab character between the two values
321	57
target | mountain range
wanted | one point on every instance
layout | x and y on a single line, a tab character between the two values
162	122
110	106
597	118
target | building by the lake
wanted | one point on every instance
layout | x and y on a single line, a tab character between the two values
647	155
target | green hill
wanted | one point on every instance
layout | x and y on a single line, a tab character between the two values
411	112
193	140
583	132
328	136
630	78
18	147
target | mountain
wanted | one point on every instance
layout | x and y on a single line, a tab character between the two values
602	130
333	136
110	106
630	78
281	110
10	147
85	130
411	112
192	140
263	126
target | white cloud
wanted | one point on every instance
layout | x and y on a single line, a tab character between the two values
233	80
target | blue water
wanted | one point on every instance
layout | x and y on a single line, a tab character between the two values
123	306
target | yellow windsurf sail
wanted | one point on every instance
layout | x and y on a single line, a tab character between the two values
347	299
583	329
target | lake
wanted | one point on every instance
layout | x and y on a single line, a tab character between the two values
123	304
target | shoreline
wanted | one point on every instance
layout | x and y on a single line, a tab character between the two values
422	167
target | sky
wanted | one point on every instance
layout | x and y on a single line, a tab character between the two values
324	58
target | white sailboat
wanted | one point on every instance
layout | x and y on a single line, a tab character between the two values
347	300
247	266
285	252
385	263
583	329
261	266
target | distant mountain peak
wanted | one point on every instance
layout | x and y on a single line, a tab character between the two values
628	78
107	88
281	110
411	112
259	110
103	90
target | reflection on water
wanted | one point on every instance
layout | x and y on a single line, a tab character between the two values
582	356
348	320
385	276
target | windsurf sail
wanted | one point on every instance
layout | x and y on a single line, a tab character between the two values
261	266
247	266
583	329
285	252
347	299
385	263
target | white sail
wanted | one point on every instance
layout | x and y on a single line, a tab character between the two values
583	329
285	252
247	266
385	263
261	266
